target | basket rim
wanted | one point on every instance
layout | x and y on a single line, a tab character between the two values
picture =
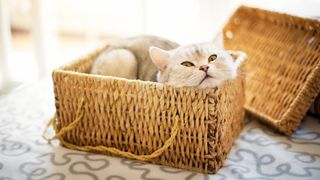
132	81
283	18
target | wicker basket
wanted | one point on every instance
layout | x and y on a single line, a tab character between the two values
181	127
283	66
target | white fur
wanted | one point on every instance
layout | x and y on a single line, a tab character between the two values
220	70
159	57
117	62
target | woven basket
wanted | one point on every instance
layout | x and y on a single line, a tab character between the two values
283	66
181	127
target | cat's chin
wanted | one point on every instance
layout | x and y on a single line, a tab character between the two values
209	82
206	79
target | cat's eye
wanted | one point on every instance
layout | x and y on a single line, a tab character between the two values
212	57
187	63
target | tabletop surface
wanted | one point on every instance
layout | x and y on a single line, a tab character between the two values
258	153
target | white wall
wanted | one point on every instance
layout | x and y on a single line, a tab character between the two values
188	21
113	17
119	17
185	21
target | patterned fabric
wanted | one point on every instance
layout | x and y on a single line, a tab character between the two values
257	154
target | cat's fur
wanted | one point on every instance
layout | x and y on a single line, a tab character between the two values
145	57
129	58
223	68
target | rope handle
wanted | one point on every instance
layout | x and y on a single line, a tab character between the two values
100	148
63	130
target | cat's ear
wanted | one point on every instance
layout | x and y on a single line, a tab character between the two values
238	57
233	54
159	57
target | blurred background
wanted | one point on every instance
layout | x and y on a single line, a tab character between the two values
39	35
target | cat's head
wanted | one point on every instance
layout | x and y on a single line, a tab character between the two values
200	65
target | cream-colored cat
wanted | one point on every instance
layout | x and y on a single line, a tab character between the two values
156	59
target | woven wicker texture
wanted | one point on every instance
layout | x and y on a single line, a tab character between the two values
283	66
181	127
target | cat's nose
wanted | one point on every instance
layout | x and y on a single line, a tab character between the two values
204	68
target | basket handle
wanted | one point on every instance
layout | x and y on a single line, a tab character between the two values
100	148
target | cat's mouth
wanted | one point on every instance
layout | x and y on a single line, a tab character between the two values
205	78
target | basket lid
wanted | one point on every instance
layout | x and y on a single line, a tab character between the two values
283	65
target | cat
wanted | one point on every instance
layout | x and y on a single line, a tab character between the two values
129	58
152	58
